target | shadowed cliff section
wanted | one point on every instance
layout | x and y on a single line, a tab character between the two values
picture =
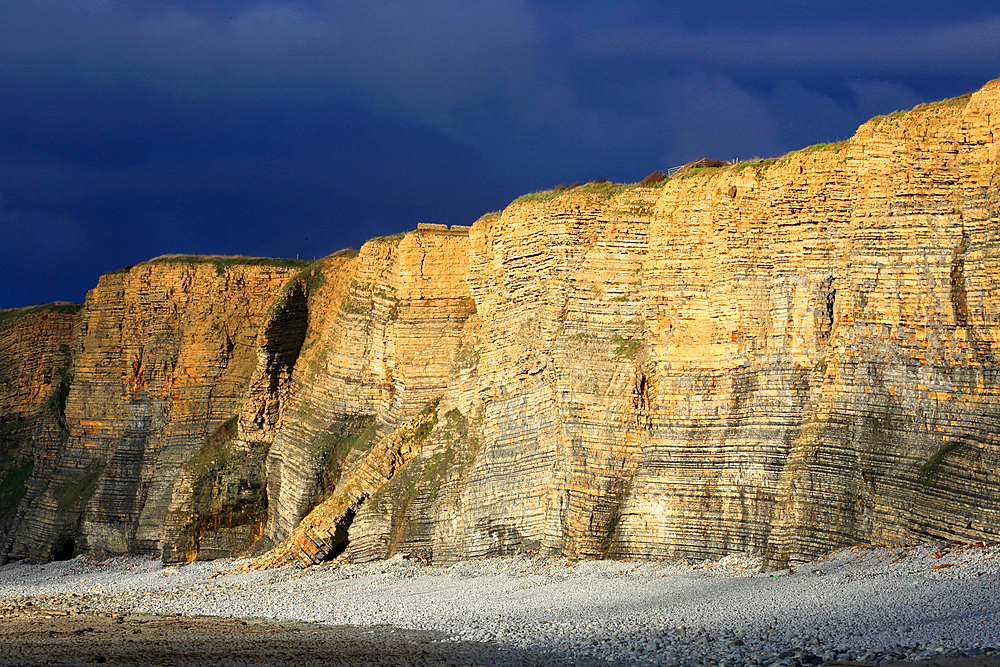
777	357
36	348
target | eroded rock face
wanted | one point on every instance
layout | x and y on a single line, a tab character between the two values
383	335
164	352
353	348
779	357
35	355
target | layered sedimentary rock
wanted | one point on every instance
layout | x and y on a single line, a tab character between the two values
380	347
374	335
35	355
781	357
323	533
163	354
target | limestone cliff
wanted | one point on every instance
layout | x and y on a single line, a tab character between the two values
352	348
35	354
781	356
163	353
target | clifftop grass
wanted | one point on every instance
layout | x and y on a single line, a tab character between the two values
222	262
600	188
12	314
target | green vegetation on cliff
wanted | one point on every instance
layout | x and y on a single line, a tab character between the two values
12	314
222	262
12	490
216	454
334	446
75	493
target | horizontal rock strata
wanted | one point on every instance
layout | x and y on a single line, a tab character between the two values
163	355
35	355
777	357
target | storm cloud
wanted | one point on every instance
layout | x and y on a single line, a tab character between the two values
134	129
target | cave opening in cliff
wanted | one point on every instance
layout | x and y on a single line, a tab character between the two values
65	549
338	544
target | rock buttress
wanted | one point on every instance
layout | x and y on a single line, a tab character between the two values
219	502
380	330
165	352
36	346
382	338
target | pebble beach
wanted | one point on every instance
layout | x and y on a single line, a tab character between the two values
861	605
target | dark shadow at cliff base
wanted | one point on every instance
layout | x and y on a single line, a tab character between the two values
339	541
223	642
65	550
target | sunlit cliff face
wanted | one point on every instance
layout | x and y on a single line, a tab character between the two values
778	357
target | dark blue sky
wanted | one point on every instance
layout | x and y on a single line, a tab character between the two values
298	127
